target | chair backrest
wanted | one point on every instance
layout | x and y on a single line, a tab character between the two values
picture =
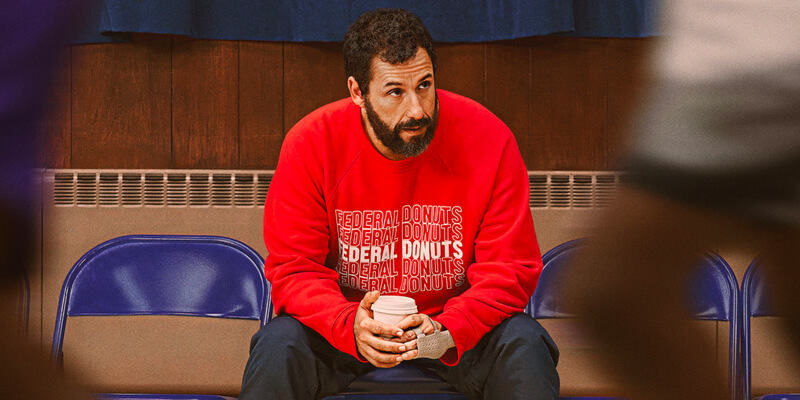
206	276
713	295
755	303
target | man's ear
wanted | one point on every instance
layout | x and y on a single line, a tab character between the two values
355	92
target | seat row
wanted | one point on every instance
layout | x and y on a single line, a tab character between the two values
713	296
217	277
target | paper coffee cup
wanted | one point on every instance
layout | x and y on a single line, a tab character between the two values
392	309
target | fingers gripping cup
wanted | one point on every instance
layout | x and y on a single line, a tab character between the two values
392	309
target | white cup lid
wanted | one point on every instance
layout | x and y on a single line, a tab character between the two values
395	305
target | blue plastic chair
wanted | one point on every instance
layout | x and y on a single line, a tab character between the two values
714	293
754	304
402	382
143	274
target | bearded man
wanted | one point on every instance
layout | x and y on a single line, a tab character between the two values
400	189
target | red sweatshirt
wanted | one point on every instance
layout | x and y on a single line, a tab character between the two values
451	227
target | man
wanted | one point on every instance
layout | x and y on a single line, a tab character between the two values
715	161
409	190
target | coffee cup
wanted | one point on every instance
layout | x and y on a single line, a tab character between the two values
392	309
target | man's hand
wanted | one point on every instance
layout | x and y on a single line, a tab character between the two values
423	322
378	351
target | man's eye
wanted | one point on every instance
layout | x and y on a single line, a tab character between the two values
425	85
394	92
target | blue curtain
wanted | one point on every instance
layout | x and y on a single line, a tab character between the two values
328	20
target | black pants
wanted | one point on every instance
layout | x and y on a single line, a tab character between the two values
516	360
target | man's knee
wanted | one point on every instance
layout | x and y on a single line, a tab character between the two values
517	359
523	334
280	334
281	363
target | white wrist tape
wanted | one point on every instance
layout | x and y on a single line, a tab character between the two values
433	345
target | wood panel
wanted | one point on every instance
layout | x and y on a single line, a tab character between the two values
261	127
121	104
205	103
171	102
313	76
627	84
508	80
56	122
568	106
462	69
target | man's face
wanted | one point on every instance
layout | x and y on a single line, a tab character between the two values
402	107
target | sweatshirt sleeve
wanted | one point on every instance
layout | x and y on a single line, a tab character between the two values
507	260
296	234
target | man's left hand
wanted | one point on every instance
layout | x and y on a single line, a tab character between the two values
422	321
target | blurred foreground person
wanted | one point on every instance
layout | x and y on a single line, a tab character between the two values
32	32
715	160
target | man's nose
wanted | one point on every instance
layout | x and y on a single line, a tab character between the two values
414	108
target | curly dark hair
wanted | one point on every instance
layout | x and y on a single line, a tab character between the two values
391	33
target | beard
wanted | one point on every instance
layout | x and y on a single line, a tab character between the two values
390	137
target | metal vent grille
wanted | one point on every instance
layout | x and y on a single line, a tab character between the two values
196	188
164	188
556	190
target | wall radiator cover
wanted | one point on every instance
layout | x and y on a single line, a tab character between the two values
248	188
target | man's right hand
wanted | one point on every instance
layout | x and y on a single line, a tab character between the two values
380	352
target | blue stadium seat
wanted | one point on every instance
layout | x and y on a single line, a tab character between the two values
713	291
147	275
404	381
397	396
754	304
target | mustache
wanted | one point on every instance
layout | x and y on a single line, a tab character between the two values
414	123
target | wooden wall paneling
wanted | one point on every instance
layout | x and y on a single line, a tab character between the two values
220	104
568	106
261	127
313	76
205	114
627	84
462	69
121	104
56	123
508	81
